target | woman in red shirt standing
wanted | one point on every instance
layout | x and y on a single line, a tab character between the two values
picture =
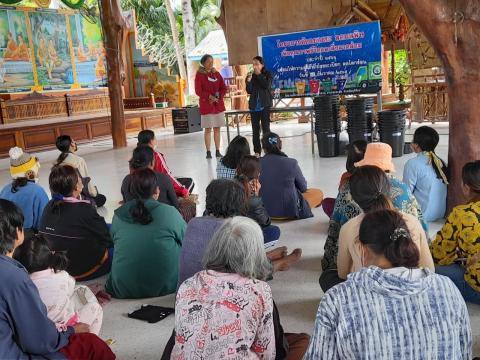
210	87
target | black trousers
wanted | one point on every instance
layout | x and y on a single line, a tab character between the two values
263	118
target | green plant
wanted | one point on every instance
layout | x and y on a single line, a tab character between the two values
402	68
154	29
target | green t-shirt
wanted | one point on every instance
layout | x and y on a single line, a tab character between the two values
145	260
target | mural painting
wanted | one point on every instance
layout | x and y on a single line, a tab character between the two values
16	72
89	52
51	48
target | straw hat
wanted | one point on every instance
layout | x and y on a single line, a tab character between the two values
378	154
23	164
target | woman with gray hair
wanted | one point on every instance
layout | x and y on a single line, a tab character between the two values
228	307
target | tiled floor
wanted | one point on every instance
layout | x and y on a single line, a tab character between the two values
296	291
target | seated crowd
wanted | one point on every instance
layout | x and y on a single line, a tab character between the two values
381	273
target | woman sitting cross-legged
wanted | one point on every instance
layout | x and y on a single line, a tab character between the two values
356	152
370	189
143	158
225	199
27	332
148	237
24	190
182	186
391	309
228	307
379	155
284	189
227	165
187	205
67	303
456	249
427	175
229	294
74	226
248	173
68	148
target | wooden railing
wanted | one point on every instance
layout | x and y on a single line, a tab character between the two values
38	106
32	106
139	103
88	103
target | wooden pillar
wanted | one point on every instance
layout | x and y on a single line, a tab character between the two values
3	112
461	60
68	104
394	90
385	71
113	29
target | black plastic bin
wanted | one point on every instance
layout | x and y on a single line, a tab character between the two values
391	127
328	144
359	135
396	139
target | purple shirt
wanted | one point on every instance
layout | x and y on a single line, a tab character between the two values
197	236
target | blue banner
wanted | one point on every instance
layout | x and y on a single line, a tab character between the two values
341	60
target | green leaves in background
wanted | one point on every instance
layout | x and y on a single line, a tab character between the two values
154	29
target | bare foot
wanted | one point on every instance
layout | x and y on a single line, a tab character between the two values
284	263
279	265
278	253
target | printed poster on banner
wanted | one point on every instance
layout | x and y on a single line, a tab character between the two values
340	60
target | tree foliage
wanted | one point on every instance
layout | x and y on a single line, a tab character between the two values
402	68
154	29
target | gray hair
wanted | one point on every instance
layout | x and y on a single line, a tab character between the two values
237	247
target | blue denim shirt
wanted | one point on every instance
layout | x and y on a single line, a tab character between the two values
430	191
26	331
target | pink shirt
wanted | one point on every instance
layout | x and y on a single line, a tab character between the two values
67	303
56	290
223	316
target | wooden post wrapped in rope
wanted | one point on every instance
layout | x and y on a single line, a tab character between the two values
3	112
453	29
113	29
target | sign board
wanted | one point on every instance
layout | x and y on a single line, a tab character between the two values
340	60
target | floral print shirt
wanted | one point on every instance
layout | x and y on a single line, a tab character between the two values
223	316
346	209
460	238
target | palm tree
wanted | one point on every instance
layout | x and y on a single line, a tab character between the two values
189	35
154	30
204	14
176	40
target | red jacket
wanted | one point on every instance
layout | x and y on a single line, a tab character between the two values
209	84
161	167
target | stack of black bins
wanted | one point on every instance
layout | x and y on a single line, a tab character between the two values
391	126
360	119
369	102
327	124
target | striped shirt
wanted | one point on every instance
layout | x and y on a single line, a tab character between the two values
377	314
224	172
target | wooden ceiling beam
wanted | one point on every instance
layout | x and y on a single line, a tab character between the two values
361	14
367	10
